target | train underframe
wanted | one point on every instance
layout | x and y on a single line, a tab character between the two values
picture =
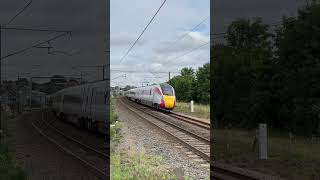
82	122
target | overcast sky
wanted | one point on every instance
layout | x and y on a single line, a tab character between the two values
86	19
226	11
151	53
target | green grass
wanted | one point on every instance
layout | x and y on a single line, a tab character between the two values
115	128
200	110
130	164
298	158
8	167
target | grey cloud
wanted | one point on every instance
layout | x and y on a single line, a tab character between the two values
125	40
86	19
187	43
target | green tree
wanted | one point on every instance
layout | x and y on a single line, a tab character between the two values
202	84
184	84
236	69
298	57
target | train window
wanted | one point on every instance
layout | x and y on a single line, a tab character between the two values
72	99
166	89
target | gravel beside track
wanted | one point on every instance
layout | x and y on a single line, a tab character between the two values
40	158
146	137
205	133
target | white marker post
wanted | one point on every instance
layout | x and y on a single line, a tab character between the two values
191	106
262	140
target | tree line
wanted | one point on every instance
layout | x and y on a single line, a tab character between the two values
193	85
270	74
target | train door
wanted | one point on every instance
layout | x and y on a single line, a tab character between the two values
91	107
86	101
61	103
95	105
150	99
83	97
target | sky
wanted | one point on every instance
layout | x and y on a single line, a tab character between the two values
89	23
225	11
86	47
153	54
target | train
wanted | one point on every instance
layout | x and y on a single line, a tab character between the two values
160	96
86	105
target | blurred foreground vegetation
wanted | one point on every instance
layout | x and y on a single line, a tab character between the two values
9	170
290	157
269	74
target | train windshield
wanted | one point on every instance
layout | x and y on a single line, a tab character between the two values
166	89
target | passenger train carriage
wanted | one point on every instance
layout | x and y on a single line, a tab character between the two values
85	105
161	96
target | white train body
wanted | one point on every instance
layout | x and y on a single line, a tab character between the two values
160	96
86	105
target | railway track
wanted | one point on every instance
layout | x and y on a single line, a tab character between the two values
190	120
199	145
225	172
94	159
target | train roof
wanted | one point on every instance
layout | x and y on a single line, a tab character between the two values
81	85
149	86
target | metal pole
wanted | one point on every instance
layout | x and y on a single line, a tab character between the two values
191	106
262	140
169	76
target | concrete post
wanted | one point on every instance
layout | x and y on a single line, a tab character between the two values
191	106
262	140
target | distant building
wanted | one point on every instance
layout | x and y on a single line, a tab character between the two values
38	99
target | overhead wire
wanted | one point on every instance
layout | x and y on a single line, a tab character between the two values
185	34
142	32
19	12
33	46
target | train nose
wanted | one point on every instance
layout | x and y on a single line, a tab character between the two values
168	102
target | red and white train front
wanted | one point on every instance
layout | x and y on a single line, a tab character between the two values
161	96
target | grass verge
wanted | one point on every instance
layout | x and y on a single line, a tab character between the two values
138	166
200	110
9	170
130	164
292	158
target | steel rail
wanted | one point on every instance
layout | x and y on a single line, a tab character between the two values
97	170
197	151
190	120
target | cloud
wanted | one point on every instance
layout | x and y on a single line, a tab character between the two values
86	19
125	40
189	41
175	18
